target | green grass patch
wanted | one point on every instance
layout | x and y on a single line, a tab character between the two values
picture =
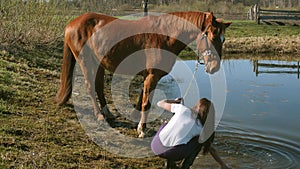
247	28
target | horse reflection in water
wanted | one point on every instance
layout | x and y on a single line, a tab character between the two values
98	42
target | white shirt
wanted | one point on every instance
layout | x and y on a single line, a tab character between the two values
181	128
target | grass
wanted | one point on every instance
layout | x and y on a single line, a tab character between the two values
32	23
248	28
249	37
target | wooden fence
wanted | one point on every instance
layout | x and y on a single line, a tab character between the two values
258	14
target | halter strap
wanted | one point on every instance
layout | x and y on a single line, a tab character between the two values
206	51
206	28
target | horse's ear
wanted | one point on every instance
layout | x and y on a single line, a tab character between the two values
219	20
227	24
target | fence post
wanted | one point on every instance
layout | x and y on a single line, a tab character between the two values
251	13
145	5
257	13
298	70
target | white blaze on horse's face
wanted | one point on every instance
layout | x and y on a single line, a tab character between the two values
222	38
213	62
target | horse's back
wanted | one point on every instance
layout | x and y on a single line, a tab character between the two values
90	19
80	29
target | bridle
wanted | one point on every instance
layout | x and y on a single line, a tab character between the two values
207	51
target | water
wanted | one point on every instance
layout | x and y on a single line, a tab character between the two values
259	122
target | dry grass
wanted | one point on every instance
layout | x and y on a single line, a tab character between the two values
268	44
249	37
31	24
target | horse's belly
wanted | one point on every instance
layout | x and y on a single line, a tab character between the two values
129	65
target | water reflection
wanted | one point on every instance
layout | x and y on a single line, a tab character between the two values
259	127
262	66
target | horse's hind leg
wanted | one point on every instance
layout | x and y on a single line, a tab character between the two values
89	67
91	91
99	84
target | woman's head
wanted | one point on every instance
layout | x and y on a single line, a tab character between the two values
205	111
203	107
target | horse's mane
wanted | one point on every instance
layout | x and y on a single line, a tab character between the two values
196	18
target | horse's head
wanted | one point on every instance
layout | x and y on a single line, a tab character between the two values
210	42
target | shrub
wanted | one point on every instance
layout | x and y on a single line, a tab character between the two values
30	23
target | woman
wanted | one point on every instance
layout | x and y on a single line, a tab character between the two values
179	138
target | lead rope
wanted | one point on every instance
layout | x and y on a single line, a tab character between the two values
206	52
193	78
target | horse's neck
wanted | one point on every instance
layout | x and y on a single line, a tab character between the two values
193	17
187	24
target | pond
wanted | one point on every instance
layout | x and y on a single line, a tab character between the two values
258	101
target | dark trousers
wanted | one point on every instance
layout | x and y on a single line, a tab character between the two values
187	161
186	152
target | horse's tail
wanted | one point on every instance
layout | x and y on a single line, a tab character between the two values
68	63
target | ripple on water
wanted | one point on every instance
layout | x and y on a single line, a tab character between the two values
244	150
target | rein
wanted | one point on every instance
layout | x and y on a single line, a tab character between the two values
190	83
206	52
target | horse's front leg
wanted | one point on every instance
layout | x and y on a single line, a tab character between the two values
149	85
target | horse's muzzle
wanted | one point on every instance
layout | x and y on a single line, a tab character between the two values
212	67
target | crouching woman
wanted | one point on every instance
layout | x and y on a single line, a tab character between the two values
183	137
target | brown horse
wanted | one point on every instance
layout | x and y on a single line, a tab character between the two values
98	42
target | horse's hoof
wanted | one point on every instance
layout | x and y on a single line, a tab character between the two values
142	134
100	117
140	131
107	113
110	121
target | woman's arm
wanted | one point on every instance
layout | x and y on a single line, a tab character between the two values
166	104
215	155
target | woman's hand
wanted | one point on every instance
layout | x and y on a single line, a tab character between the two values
176	101
166	104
